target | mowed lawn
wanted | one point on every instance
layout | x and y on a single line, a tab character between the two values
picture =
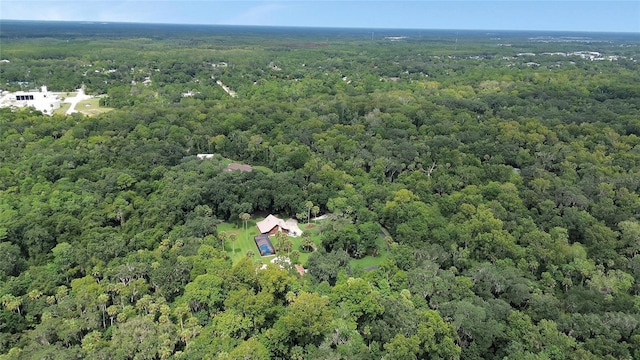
62	109
244	243
244	240
91	107
371	262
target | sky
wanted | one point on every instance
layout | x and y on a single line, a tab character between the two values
564	15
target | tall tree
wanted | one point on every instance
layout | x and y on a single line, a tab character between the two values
233	238
223	236
309	206
245	218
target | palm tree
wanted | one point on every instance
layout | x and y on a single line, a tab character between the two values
315	210
308	205
245	217
281	238
233	238
223	237
295	256
307	243
250	254
112	311
287	246
180	311
12	303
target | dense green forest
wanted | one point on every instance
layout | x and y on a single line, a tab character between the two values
482	192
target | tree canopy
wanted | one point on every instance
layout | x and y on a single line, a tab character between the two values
488	182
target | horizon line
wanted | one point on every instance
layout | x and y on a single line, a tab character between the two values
314	27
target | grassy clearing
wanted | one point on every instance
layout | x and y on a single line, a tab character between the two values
315	237
244	240
264	169
373	261
369	261
244	243
91	107
62	109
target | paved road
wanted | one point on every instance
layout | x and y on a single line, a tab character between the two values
75	100
226	88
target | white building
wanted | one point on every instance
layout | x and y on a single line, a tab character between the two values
204	156
41	100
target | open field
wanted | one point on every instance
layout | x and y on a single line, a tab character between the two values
91	107
244	243
370	262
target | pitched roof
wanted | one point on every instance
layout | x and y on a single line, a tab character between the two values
269	223
300	269
240	167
